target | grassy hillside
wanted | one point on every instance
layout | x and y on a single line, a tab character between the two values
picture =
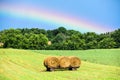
28	65
101	56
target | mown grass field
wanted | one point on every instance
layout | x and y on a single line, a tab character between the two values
101	56
28	65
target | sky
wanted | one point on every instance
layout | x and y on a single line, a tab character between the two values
98	16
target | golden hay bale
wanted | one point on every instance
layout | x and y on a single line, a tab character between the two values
51	62
74	62
64	62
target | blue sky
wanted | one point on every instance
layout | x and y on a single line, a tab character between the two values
100	12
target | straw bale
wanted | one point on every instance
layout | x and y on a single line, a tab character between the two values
64	62
74	62
51	62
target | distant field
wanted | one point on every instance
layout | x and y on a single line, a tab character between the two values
28	65
101	56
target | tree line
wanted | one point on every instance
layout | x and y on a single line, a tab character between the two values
58	39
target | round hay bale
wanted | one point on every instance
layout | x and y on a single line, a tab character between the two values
51	62
74	62
64	62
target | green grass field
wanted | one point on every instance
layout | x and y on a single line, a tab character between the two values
101	56
28	65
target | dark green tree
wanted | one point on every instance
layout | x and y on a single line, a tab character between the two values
59	38
107	43
62	30
116	36
38	41
10	38
74	42
91	40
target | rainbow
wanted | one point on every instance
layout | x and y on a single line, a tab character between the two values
54	17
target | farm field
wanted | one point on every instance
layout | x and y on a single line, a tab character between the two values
100	56
16	64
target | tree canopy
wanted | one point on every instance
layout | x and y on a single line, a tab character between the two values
60	38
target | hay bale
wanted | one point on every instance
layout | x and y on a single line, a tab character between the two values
64	62
51	63
74	62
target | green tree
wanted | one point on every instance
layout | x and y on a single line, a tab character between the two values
62	30
72	32
116	36
107	43
91	40
38	41
10	38
50	34
92	45
59	38
74	42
